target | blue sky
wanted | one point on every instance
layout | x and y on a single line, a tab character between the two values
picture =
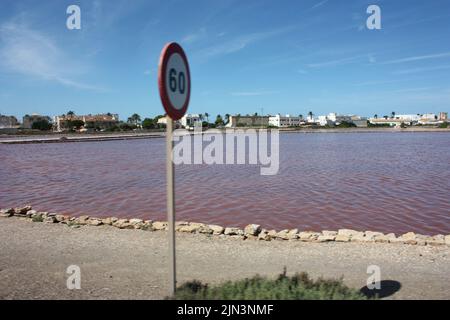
279	56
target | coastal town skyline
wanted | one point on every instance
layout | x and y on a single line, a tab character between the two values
239	64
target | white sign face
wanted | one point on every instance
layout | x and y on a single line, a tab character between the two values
177	81
174	80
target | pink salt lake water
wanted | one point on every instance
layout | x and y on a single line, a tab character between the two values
388	182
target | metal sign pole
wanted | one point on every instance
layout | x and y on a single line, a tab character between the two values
170	176
174	83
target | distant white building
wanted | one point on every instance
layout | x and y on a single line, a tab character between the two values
408	117
284	121
189	120
338	119
429	118
334	119
324	121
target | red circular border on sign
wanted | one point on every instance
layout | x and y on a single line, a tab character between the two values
166	52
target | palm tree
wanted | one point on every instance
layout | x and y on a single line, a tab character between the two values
227	118
300	116
207	116
310	115
70	113
393	114
134	119
219	120
375	116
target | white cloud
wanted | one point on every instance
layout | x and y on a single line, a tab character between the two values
238	43
332	63
195	36
33	54
252	93
321	3
419	58
418	70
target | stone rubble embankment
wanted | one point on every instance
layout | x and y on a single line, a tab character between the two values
251	232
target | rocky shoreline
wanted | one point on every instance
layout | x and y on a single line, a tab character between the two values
250	232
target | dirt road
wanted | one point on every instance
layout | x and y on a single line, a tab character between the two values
131	264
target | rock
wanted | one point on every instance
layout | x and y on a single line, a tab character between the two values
348	232
264	235
381	239
329	233
372	234
388	238
30	213
189	228
95	222
293	234
50	220
325	238
283	235
436	241
83	220
123	224
410	238
202	228
342	238
62	218
21	211
252	229
109	221
147	225
7	212
179	224
308	236
272	234
216	229
447	240
362	238
160	225
233	232
137	223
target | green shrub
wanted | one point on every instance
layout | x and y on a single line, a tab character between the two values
297	287
38	218
42	125
346	124
443	125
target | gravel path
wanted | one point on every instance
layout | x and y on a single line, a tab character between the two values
131	264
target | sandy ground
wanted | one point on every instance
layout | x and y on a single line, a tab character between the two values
132	264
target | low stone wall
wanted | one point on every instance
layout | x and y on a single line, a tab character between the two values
252	231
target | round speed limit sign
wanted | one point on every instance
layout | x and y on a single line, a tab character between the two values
174	80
